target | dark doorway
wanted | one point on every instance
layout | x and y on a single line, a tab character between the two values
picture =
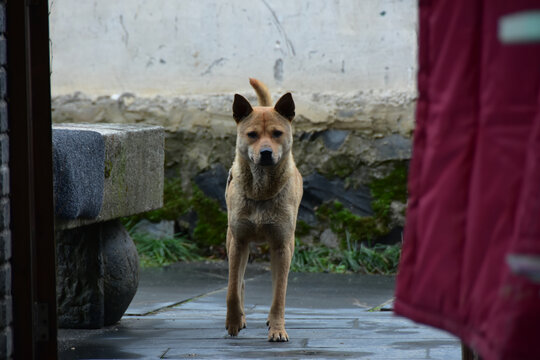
30	168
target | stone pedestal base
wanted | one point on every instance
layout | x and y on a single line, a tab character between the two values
97	274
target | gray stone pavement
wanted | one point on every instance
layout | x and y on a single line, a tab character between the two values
179	313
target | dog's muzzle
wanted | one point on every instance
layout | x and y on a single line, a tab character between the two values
266	158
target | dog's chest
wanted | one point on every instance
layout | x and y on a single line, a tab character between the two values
263	212
263	220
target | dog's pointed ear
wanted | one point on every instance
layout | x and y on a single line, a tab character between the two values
241	108
285	106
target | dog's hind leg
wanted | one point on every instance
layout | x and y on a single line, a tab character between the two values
238	254
281	256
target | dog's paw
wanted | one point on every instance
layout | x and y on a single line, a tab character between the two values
276	330
277	334
234	324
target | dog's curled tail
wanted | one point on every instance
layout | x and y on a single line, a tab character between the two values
262	92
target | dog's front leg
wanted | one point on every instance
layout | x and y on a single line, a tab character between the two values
281	255
238	254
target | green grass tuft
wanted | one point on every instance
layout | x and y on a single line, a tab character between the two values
160	252
378	259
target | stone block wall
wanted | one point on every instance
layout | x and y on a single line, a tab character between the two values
335	134
6	313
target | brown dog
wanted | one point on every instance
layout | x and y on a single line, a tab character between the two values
263	194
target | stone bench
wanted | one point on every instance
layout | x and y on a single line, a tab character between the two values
101	172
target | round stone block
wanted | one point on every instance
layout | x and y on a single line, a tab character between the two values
120	270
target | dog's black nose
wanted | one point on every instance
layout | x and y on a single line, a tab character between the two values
266	157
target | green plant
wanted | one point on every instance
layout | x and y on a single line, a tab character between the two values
378	259
302	228
392	187
211	228
311	259
342	221
161	252
175	203
367	229
340	165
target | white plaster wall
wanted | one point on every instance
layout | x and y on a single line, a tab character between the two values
173	47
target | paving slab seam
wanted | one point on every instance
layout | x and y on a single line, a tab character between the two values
165	308
164	353
210	274
385	306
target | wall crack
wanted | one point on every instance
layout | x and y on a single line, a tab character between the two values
281	30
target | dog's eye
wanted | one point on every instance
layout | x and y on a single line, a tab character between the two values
277	133
252	134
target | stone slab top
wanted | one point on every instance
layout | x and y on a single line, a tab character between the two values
133	170
108	128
